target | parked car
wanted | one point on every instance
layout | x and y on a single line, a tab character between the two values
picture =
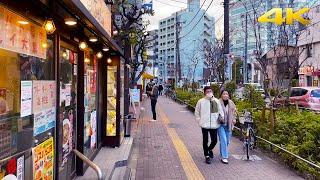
307	97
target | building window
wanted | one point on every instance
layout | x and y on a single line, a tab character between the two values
309	50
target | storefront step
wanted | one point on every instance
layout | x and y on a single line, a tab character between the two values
112	161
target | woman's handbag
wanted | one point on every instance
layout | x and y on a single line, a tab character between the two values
221	120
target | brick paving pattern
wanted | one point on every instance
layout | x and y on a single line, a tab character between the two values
158	158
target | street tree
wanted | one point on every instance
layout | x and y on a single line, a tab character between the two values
131	34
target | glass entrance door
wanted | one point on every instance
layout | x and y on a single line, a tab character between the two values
67	112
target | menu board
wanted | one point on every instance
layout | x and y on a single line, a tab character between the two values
26	98
44	121
135	95
44	109
20	35
43	160
44	95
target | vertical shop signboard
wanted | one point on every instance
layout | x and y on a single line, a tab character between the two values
20	168
26	98
43	160
44	109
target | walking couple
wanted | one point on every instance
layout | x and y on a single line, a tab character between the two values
216	116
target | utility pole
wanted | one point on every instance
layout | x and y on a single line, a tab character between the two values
226	32
178	65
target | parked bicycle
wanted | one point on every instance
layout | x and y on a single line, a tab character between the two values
248	133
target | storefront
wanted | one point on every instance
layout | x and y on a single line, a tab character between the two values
309	76
51	88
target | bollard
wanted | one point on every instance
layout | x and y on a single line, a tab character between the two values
127	123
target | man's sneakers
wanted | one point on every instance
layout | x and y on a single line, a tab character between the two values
152	120
208	160
224	161
211	154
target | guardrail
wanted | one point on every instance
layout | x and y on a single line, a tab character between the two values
283	149
272	144
95	167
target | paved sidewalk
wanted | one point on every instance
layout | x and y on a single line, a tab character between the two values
171	148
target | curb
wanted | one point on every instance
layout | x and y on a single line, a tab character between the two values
120	169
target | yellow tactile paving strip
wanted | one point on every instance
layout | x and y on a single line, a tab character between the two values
189	166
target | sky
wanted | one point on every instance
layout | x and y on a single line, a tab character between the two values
164	8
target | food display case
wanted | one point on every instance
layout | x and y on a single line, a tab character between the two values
112	101
112	104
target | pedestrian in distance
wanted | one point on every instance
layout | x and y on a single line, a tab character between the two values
149	88
225	129
208	111
160	89
154	98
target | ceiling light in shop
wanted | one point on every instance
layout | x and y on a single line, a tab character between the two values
83	45
99	55
93	39
87	60
23	22
64	55
105	49
70	21
49	26
109	60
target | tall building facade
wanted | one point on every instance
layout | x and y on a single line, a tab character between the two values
181	39
152	51
271	35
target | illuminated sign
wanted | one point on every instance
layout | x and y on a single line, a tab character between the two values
275	16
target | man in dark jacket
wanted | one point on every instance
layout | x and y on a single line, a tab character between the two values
154	98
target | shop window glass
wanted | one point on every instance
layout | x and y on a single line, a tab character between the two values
20	130
90	93
68	59
112	103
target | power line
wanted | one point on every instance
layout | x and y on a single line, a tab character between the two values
197	13
169	4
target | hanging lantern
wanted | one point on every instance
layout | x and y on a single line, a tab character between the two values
83	45
99	55
49	26
87	60
109	60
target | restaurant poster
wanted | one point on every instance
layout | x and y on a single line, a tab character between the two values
44	121
22	38
26	98
93	120
43	160
44	109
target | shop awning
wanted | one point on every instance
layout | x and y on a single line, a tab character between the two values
316	73
146	75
